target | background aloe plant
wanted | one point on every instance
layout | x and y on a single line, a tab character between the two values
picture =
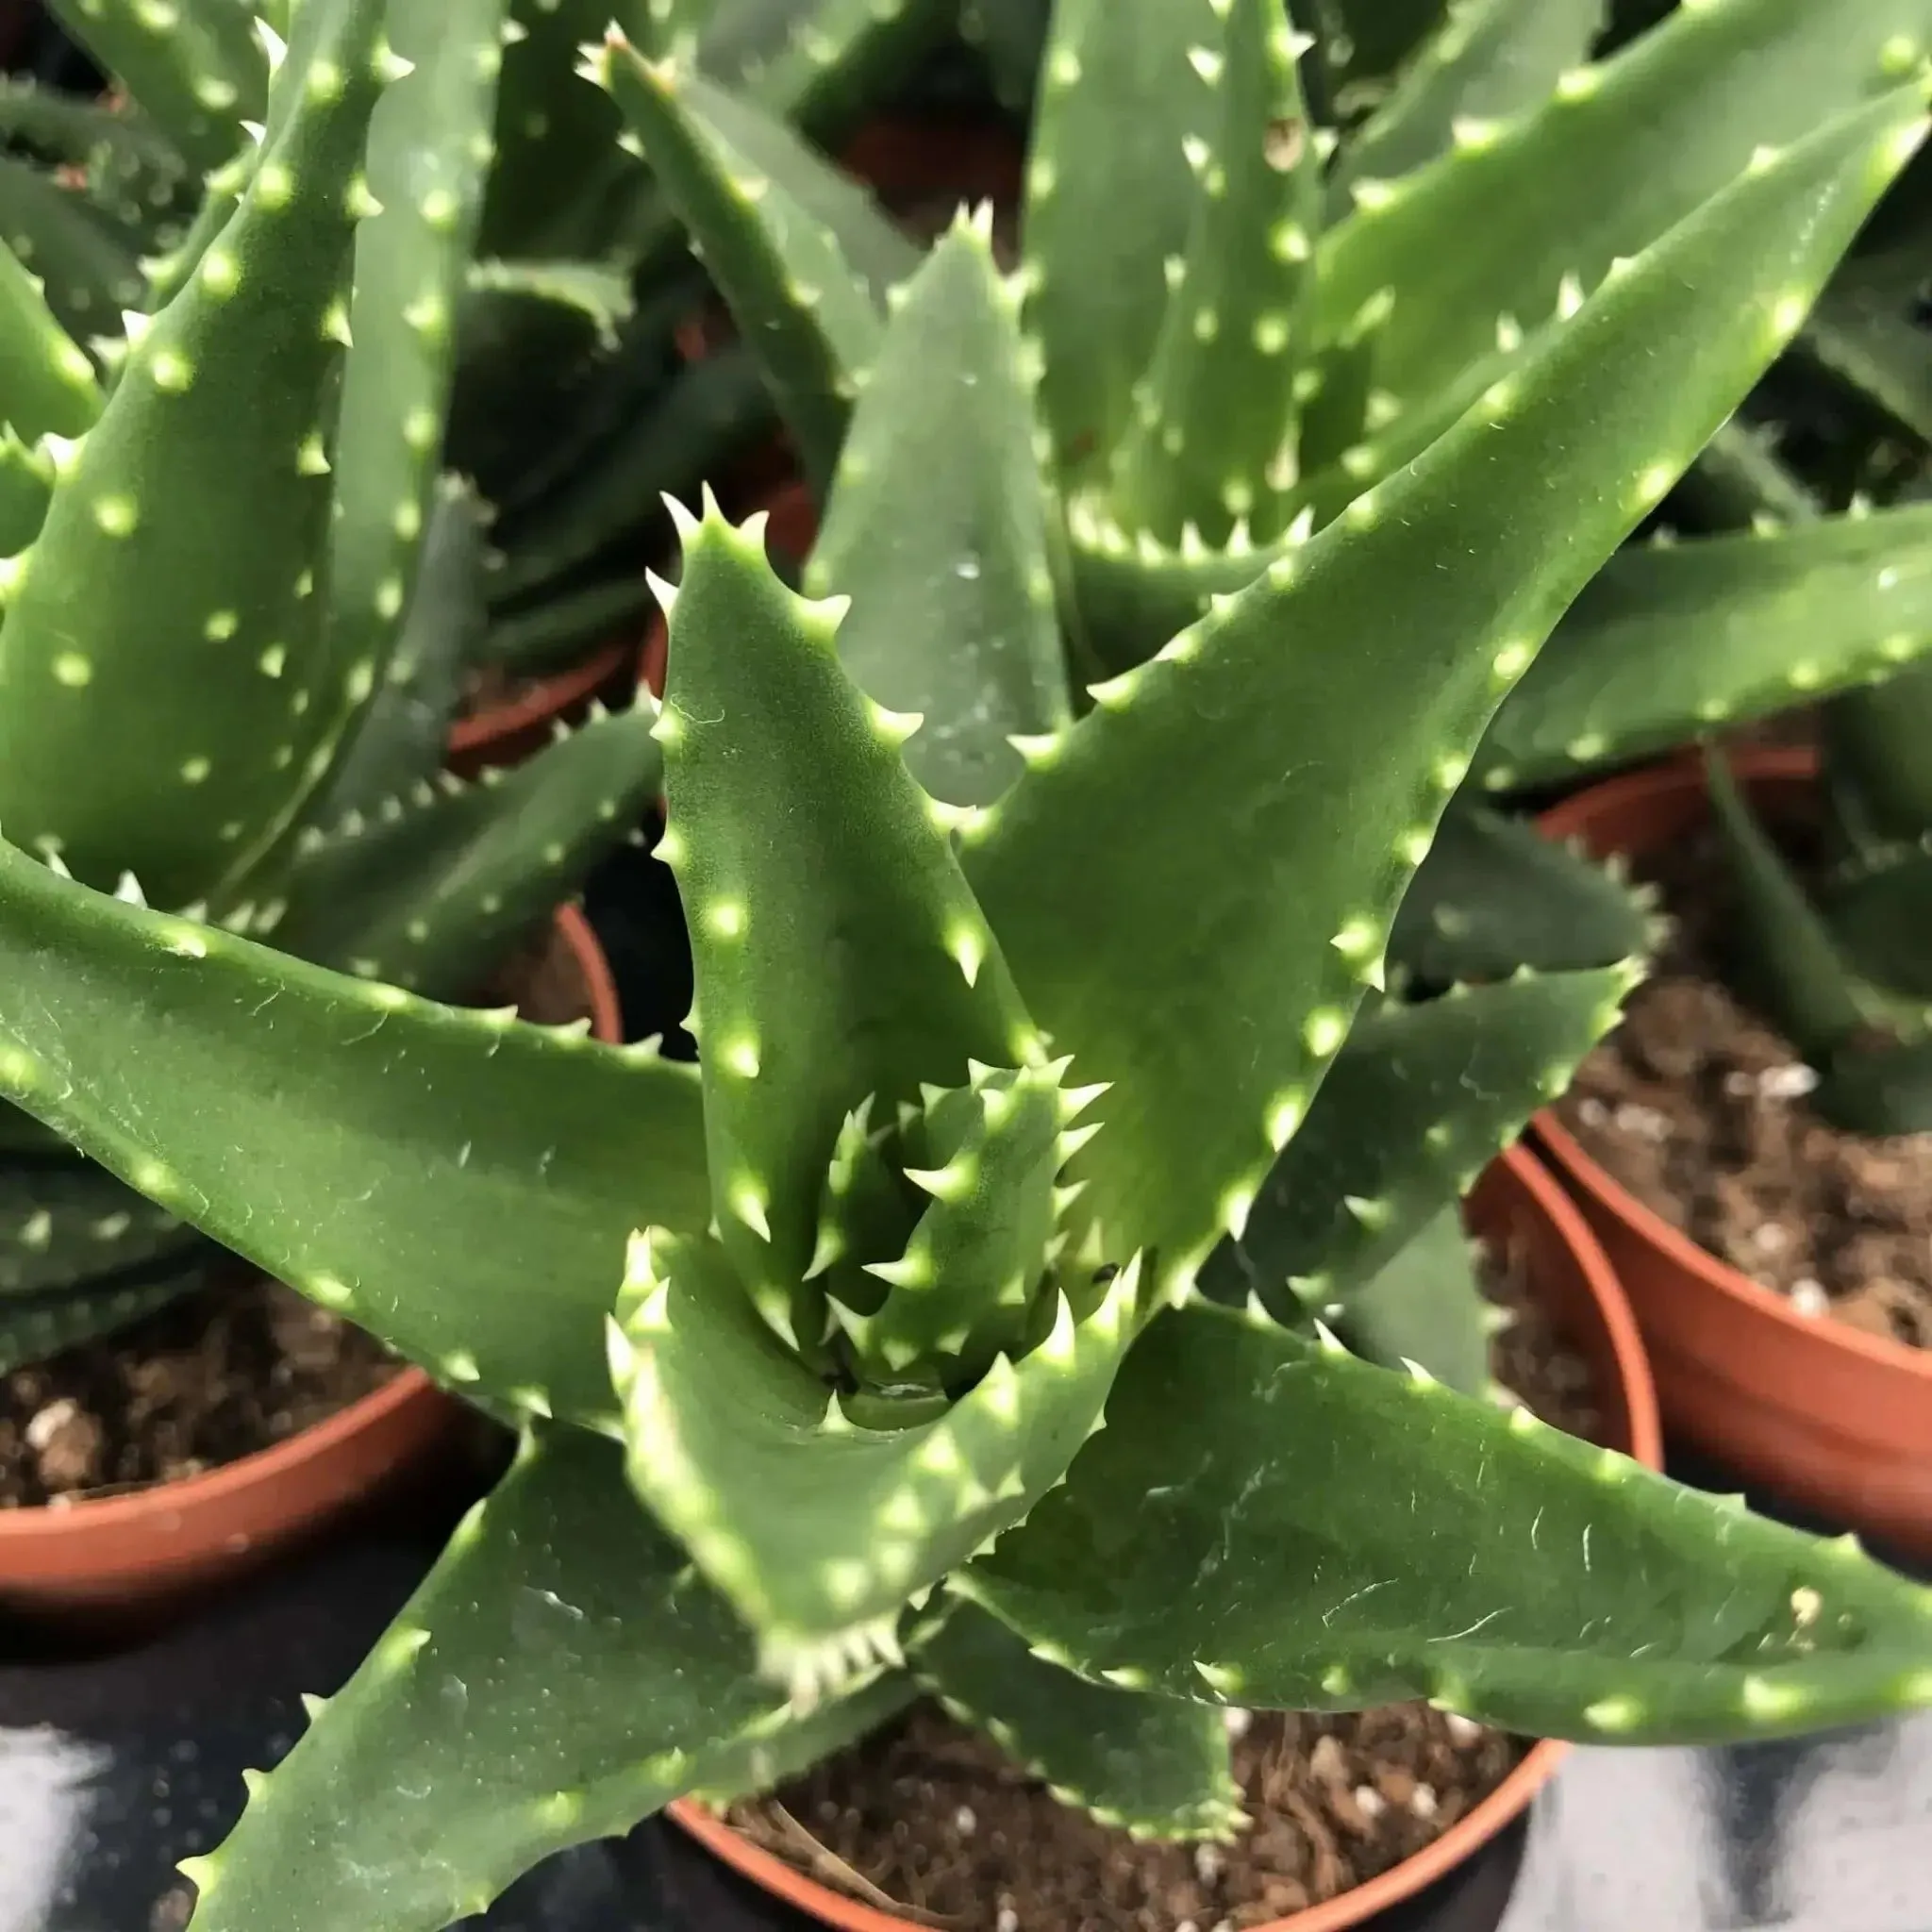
549	272
236	625
812	1345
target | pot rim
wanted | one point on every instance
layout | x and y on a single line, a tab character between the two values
539	699
1766	764
1519	1170
212	1488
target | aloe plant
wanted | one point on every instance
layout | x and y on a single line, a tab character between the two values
547	267
894	1346
221	681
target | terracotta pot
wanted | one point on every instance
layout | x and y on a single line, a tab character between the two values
792	528
1515	1202
1836	1421
135	1556
519	726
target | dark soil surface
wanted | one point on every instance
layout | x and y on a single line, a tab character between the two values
930	1820
210	1378
1698	1108
220	1374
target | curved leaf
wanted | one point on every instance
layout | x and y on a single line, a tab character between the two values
433	890
170	702
1417	1102
1271	1521
1214	998
819	1530
796	835
952	603
558	1675
1495	894
461	1185
1668	640
1495	229
1109	198
1151	1765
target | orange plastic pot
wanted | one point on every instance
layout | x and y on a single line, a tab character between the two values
1835	1421
1515	1205
134	1558
507	733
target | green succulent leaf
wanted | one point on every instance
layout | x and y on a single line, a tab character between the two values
818	1530
175	570
822	62
1134	594
404	729
1640	127
813	324
65	1222
1862	333
763	141
1488	60
426	140
1217	403
1435	590
1231	1532
33	1327
952	610
88	264
433	891
1417	1102
1669	639
46	382
1880	915
1783	954
708	413
555	135
1876	767
1423	1305
26	483
198	68
965	1282
68	130
560	631
762	730
1495	894
459	1184
1152	1766
1103	214
1334	430
558	1675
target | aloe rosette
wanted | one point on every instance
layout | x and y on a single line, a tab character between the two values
222	693
904	1344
